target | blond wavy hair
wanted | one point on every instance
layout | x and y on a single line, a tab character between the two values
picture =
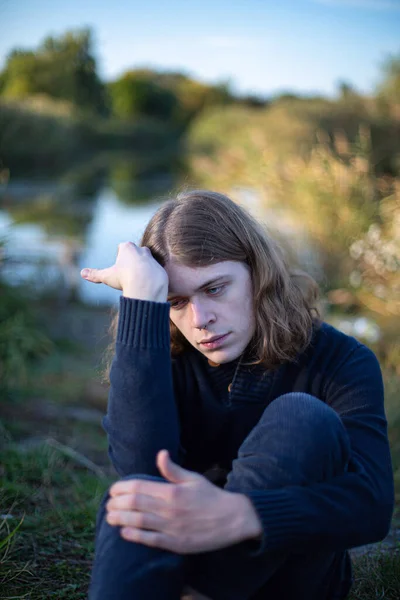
201	228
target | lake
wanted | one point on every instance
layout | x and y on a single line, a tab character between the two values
44	250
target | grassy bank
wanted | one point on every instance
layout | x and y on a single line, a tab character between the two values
54	499
54	466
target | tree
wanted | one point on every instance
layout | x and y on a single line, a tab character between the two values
63	68
346	91
171	96
137	93
388	92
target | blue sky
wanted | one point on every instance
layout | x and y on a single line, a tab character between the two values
261	46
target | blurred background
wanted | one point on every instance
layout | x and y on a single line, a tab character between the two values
106	111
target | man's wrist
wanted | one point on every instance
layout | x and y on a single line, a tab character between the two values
128	292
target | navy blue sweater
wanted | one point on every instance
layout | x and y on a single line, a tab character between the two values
184	405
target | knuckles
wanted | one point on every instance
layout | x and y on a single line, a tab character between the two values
140	521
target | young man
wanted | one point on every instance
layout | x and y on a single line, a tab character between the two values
251	437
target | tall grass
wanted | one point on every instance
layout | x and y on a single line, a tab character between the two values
331	192
22	336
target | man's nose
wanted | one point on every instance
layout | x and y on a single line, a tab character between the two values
201	316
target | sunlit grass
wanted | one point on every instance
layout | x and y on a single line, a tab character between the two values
57	499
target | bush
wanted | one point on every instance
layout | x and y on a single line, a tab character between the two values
22	339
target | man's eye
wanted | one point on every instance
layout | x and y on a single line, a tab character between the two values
177	304
215	290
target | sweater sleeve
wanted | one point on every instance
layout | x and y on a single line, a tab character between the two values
141	416
352	509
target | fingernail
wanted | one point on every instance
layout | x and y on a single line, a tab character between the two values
85	272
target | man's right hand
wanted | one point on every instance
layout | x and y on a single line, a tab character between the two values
135	272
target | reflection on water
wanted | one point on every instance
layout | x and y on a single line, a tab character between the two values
54	228
54	260
113	223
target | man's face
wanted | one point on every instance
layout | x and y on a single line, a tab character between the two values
219	296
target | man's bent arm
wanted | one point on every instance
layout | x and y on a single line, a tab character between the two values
141	417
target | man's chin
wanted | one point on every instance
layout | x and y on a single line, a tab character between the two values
222	356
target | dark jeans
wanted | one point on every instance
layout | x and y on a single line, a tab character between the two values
297	441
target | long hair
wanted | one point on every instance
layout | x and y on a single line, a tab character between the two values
200	228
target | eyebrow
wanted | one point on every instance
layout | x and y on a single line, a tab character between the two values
203	286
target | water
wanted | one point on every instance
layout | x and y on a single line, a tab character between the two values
53	230
50	256
112	223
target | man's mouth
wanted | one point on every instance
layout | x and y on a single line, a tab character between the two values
214	341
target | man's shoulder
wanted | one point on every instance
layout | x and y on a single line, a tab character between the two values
329	347
325	334
333	356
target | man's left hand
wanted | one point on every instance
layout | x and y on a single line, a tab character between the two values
187	515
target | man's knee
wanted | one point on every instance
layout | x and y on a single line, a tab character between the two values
297	440
306	420
298	407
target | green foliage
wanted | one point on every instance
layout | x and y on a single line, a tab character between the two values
63	68
22	340
389	87
57	500
136	94
172	97
193	96
5	542
40	135
376	576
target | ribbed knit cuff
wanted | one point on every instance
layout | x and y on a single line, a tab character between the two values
143	324
279	518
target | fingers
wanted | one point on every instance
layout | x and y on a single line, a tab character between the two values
136	502
91	275
141	486
107	276
131	245
135	519
171	471
154	539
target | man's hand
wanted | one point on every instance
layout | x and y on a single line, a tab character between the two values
135	272
186	516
